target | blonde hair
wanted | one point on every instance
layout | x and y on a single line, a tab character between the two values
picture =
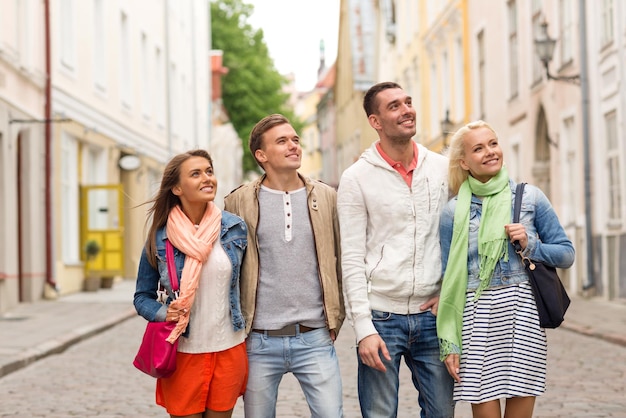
456	174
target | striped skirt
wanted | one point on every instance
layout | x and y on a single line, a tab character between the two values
504	349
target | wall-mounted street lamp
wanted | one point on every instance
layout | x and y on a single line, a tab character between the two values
446	128
544	47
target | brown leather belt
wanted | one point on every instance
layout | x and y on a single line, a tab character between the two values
286	331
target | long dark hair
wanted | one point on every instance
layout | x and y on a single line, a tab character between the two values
165	200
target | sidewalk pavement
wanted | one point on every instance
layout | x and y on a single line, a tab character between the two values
32	331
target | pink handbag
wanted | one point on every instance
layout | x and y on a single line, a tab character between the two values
156	356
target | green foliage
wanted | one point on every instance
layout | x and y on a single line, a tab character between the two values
92	249
253	88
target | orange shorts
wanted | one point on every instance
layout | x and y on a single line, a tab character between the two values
204	381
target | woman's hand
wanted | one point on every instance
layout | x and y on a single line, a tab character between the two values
517	232
174	314
452	364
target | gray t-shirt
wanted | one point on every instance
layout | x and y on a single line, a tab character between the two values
289	289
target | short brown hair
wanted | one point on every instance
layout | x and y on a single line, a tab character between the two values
260	128
370	104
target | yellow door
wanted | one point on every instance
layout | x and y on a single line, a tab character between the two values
102	221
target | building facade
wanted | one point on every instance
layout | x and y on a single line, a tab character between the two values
562	130
22	159
95	97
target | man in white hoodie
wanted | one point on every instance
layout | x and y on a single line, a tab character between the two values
389	203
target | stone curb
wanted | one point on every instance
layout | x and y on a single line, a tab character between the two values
618	339
63	342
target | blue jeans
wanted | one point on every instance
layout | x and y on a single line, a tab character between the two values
312	359
414	337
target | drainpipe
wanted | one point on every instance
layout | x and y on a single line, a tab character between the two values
584	88
47	140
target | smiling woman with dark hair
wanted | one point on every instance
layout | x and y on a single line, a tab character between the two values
211	363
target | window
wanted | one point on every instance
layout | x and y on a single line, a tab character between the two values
146	91
125	75
390	20
25	31
99	49
613	166
607	22
435	126
481	74
445	85
537	64
95	173
459	83
68	44
69	201
174	105
160	87
571	169
513	58
567	31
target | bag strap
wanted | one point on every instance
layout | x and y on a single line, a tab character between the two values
517	207
171	265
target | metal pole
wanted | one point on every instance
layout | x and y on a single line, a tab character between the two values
589	281
48	151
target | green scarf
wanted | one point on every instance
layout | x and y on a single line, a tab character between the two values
492	246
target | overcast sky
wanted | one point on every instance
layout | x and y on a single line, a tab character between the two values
293	30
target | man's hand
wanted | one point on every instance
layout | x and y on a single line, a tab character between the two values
432	304
369	349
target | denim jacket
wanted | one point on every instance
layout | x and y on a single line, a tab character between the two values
233	238
547	241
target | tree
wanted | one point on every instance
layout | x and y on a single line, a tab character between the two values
253	88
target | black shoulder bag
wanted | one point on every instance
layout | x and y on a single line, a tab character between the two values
550	295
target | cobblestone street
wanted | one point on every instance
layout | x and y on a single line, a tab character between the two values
95	378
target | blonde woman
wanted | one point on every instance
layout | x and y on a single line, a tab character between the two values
487	323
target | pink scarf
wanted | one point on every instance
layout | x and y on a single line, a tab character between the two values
196	244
